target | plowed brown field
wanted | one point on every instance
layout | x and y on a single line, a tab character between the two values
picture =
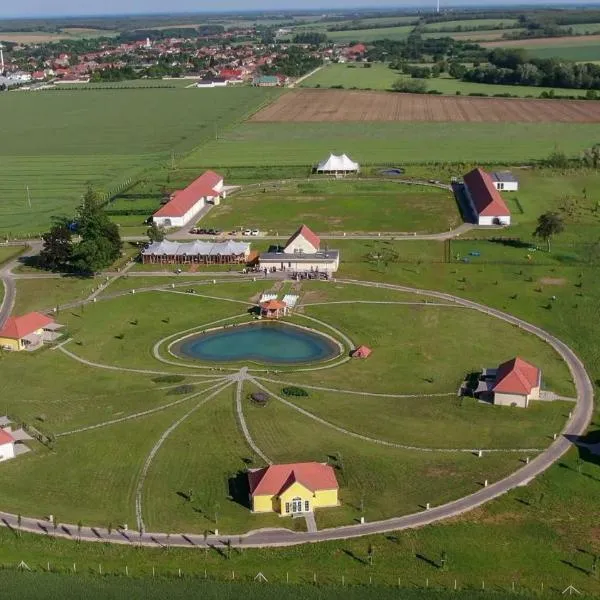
339	105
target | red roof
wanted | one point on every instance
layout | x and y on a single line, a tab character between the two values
231	73
308	235
357	49
362	352
183	200
487	199
275	479
273	304
17	328
5	437
517	376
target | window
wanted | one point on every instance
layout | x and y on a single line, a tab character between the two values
287	507
306	506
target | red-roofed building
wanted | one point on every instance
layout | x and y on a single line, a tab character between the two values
303	241
356	50
517	382
28	332
293	488
362	352
273	309
485	199
7	445
185	204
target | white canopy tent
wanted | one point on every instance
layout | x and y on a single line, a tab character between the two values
338	164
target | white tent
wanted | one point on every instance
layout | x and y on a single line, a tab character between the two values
338	164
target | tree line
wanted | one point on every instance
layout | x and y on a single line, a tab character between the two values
83	244
512	67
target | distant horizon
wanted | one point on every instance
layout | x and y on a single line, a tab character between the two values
28	8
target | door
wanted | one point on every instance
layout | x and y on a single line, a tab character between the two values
297	505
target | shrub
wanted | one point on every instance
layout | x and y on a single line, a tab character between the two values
294	391
411	86
168	379
180	390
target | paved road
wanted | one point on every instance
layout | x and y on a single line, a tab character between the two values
577	425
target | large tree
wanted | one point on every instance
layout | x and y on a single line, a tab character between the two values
58	245
549	225
100	243
155	233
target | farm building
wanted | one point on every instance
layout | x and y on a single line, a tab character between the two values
212	82
337	164
197	252
485	199
266	81
505	181
7	445
293	488
516	383
301	254
185	204
28	332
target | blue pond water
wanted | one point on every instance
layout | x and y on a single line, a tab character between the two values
273	343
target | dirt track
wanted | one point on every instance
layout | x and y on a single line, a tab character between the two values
339	105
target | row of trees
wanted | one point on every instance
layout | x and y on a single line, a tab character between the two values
84	244
508	66
295	63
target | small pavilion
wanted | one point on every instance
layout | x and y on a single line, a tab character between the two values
361	352
273	309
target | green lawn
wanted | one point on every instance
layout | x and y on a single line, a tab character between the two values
61	141
267	144
7	253
380	77
338	206
45	294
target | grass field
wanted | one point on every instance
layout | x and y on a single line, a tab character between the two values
368	35
470	24
62	140
380	77
577	48
267	144
333	206
69	33
577	53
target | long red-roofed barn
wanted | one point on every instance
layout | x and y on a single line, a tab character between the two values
293	488
485	200
185	204
517	382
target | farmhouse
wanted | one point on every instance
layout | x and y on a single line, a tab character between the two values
484	199
212	82
337	164
197	252
293	488
505	181
516	383
185	204
301	254
7	445
28	332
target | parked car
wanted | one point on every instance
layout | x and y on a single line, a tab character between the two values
247	232
255	232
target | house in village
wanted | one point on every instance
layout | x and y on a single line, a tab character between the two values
185	204
484	199
293	488
301	254
28	332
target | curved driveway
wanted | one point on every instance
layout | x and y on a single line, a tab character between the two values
577	425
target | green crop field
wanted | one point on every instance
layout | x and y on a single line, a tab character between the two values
471	24
580	53
380	77
62	140
368	35
265	144
333	206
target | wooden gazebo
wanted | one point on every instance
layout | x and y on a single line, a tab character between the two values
273	309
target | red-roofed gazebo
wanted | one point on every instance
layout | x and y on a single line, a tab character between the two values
361	352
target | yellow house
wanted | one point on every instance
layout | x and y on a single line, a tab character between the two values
292	489
27	331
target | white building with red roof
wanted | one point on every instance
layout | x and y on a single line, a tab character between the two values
7	445
301	253
28	332
185	204
292	489
485	200
517	382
